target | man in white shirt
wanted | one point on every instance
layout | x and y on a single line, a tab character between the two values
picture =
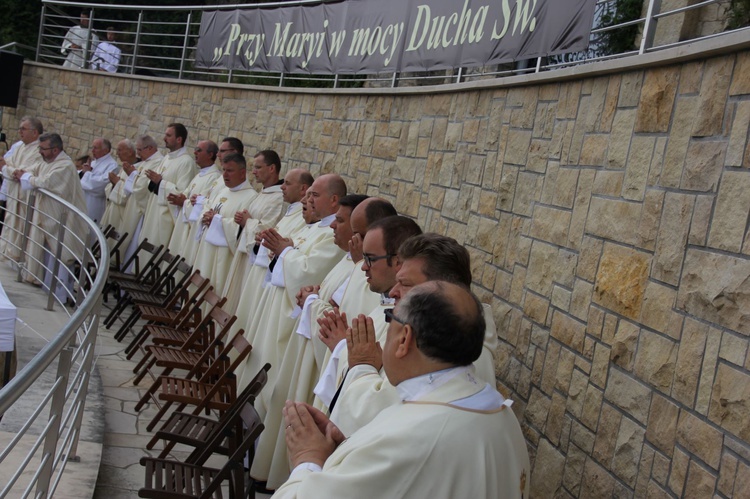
450	435
107	56
77	44
96	177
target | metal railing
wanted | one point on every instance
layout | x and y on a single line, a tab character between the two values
45	401
155	47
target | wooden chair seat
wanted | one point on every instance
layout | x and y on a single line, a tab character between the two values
191	392
166	478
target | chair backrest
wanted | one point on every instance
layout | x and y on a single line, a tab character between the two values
208	323
114	247
135	259
189	294
162	272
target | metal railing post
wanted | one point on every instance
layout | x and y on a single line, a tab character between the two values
56	409
394	80
281	80
649	28
83	275
54	281
89	35
459	74
137	42
41	32
231	74
26	229
185	45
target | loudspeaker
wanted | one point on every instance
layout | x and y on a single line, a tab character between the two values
11	67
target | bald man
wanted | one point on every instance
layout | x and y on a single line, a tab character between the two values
115	192
96	177
449	436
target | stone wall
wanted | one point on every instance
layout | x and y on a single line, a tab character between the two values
607	221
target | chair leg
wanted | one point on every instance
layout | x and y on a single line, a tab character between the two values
139	339
129	323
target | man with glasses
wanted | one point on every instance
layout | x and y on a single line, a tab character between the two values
136	188
96	177
423	258
25	158
449	435
190	202
57	174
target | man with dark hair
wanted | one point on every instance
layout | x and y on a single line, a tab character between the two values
449	435
107	55
229	145
79	43
190	201
219	242
426	257
299	366
96	177
172	176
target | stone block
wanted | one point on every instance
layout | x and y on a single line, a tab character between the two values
657	100
662	424
517	146
673	232
553	426
732	209
600	364
700	482
610	103
537	409
568	330
637	171
660	470
741	76
581	208
560	298
733	348
689	359
729	401
550	368
608	183
622	130
528	191
742	482
655	360
704	163
565	366
550	224
594	150
621	280
714	287
677	476
686	110
597	482
713	96
727	474
581	299
700	438
629	395
592	407
548	470
588	261
572	475
690	77
606	436
628	451
657	311
581	436
738	137
564	194
535	308
701	219
708	371
614	220
624	342
576	393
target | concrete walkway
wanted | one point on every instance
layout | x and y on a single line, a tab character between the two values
114	437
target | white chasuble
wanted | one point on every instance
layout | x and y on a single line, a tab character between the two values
176	169
25	157
426	448
117	197
214	257
266	211
297	374
202	184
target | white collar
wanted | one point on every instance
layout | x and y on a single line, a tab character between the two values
293	207
104	159
236	188
270	189
327	221
417	388
179	152
205	170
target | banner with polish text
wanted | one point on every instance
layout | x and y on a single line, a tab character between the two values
373	36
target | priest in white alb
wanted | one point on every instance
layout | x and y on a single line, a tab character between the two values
115	192
172	176
219	241
24	158
79	43
449	435
96	177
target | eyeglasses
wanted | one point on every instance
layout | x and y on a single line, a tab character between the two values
198	149
390	316
45	148
23	129
370	259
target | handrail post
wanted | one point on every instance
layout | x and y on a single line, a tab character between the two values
649	28
281	80
83	277
31	203
137	42
185	44
41	32
56	409
54	281
89	35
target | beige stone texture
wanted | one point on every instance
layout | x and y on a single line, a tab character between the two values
596	481
658	310
629	395
689	360
673	232
622	126
662	424
715	287
628	451
624	344
732	204
685	113
600	364
677	476
648	230
729	408
657	100
591	250
733	348
591	407
655	360
701	220
568	330
708	369
621	280
738	137
727	474
741	78
700	438
742	482
713	95
700	482
551	225
637	170
548	468
703	166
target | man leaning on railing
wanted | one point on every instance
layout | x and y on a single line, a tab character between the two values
57	174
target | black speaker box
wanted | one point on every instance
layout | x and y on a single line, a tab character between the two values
11	67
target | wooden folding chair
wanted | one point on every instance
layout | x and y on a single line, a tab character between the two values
215	390
180	302
199	431
141	269
169	479
205	337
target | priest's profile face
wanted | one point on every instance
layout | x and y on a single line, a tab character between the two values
48	152
409	275
234	174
